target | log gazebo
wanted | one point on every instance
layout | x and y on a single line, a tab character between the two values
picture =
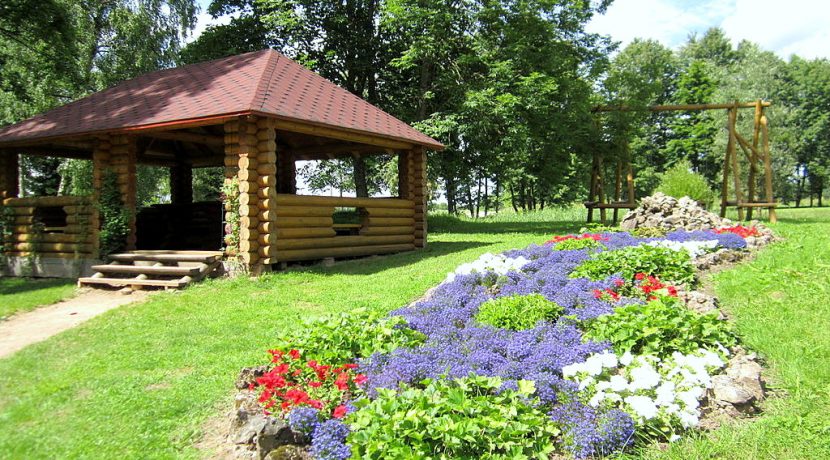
256	114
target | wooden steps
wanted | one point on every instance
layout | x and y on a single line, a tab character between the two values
168	269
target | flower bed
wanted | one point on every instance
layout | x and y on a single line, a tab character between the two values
583	349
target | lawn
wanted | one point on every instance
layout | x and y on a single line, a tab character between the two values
140	381
22	294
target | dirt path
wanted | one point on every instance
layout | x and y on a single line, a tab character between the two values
31	327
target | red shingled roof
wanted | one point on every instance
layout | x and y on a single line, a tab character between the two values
259	82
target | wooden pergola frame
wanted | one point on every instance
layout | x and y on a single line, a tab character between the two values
756	150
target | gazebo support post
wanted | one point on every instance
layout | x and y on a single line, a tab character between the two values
250	156
9	175
414	169
116	154
181	183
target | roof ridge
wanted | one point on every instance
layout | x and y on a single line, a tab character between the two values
266	78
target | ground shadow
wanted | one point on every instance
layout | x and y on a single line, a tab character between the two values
10	286
452	224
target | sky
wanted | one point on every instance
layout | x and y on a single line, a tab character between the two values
784	26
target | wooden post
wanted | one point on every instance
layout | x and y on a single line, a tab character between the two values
9	174
601	190
242	163
122	162
417	170
773	218
100	164
617	188
403	174
181	183
286	173
593	187
733	159
753	158
267	191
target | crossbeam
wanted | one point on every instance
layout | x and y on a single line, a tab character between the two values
679	107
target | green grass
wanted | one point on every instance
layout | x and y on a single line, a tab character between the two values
139	381
22	294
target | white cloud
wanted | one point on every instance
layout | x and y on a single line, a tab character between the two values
788	27
785	27
203	20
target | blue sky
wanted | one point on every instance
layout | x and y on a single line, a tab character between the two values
785	27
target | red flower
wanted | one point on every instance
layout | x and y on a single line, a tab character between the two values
350	366
360	379
639	276
315	384
597	293
672	291
339	412
294	354
281	369
619	283
312	364
315	403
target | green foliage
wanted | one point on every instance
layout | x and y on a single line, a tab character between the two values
344	337
115	219
649	232
665	264
573	244
518	312
6	228
461	418
680	181
207	183
659	327
230	197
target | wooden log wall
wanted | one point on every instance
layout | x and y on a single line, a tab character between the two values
305	229
9	175
415	171
250	156
73	239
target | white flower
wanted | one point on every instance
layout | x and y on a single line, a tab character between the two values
690	397
694	248
665	394
613	397
586	383
496	263
608	359
593	365
688	419
571	370
602	386
674	438
626	358
597	399
644	377
618	383
643	406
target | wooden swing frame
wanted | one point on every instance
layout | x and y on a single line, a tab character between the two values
756	151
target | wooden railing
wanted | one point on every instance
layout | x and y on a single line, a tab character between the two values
54	226
306	230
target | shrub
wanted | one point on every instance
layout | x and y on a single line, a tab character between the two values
664	263
115	219
462	418
680	181
649	232
518	312
577	243
659	327
345	337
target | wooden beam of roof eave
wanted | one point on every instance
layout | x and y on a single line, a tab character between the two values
341	134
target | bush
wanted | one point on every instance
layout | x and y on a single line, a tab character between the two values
659	327
680	181
518	312
462	418
666	264
345	337
577	243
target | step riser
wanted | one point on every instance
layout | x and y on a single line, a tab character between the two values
137	269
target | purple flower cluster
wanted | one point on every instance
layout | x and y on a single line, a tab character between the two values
590	433
329	441
304	420
725	240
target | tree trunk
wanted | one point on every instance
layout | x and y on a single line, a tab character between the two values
360	186
478	195
486	199
513	199
450	189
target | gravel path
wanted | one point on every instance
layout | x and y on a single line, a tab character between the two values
37	325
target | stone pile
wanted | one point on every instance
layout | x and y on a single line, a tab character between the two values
669	213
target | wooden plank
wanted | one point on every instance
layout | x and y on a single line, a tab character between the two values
147	270
162	256
757	205
390	212
51	238
51	247
196	138
343	241
773	218
48	201
131	282
346	202
298	222
312	254
390	221
317	232
304	211
331	133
